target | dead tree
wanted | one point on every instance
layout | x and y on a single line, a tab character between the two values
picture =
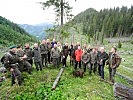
57	78
123	92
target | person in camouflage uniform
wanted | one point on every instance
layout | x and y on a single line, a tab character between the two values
93	61
85	58
114	62
55	54
28	52
10	61
37	57
24	64
44	52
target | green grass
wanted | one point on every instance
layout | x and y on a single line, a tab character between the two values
38	85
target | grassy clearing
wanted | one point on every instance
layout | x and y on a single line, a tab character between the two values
38	85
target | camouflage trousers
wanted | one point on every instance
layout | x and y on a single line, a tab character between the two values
55	62
16	74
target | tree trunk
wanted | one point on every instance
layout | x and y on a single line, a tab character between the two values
123	92
62	12
57	78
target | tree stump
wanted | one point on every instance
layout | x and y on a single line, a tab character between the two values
123	92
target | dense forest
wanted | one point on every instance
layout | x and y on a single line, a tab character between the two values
117	22
11	33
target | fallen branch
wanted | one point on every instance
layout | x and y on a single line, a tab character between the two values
57	78
123	92
126	78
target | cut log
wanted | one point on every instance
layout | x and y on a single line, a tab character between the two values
57	78
123	92
126	78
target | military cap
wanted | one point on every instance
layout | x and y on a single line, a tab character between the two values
13	46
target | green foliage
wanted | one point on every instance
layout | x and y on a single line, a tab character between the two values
119	44
11	33
110	22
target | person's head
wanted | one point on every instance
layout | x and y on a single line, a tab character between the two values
79	48
48	41
93	49
113	49
58	44
78	43
19	47
84	51
102	49
27	45
89	46
43	41
84	45
66	44
35	45
55	45
13	48
53	39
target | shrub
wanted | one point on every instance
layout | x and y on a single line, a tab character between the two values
119	44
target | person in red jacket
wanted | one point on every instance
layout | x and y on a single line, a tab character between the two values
78	54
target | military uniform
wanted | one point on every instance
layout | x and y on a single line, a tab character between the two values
55	54
114	61
85	58
44	53
37	58
28	52
11	60
24	64
93	61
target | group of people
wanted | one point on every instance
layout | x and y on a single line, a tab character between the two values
18	59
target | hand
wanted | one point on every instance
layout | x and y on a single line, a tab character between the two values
11	69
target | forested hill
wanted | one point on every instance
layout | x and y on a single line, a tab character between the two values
115	22
11	33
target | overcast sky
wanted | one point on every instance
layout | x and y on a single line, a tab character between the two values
30	12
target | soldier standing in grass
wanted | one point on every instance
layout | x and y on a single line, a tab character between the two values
93	60
44	52
28	52
37	57
24	64
102	56
11	60
65	54
85	58
72	55
55	54
49	50
114	62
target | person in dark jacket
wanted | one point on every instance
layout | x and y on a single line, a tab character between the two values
93	60
49	50
114	62
24	64
55	54
85	58
53	42
10	62
44	52
37	57
65	54
102	56
72	55
28	52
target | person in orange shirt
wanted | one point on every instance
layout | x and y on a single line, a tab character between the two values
78	54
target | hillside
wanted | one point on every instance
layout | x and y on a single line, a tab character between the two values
37	30
115	22
11	33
